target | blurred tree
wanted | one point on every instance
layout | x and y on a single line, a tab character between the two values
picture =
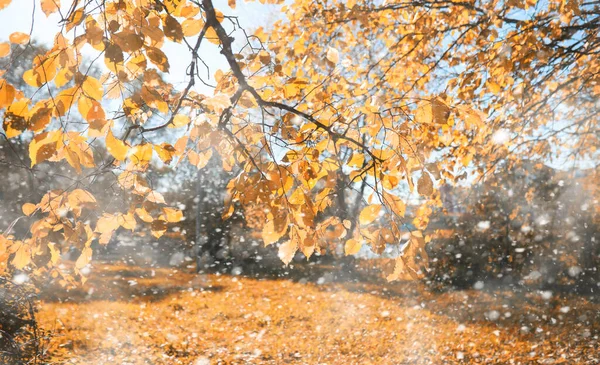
389	98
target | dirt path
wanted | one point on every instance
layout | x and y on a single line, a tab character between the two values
133	315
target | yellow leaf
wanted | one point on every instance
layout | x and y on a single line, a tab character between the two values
126	179
127	221
65	100
32	78
117	148
352	246
424	113
287	250
395	203
172	215
93	88
141	155
231	3
19	38
155	197
180	120
84	258
466	159
357	160
106	225
29	208
399	268
90	109
270	234
290	90
22	256
333	55
79	197
165	152
16	118
217	103
369	214
189	11
144	215
200	160
494	87
54	253
211	35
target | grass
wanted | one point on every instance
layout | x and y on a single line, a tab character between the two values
144	315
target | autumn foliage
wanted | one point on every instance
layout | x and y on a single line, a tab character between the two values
382	100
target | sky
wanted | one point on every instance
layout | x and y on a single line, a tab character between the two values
18	17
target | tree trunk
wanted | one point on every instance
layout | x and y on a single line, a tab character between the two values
211	231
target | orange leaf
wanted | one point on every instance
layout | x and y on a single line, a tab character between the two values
4	3
50	6
4	49
191	27
158	58
19	38
172	29
7	94
75	19
212	36
29	208
43	146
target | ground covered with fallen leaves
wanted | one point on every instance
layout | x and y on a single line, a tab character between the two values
144	315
